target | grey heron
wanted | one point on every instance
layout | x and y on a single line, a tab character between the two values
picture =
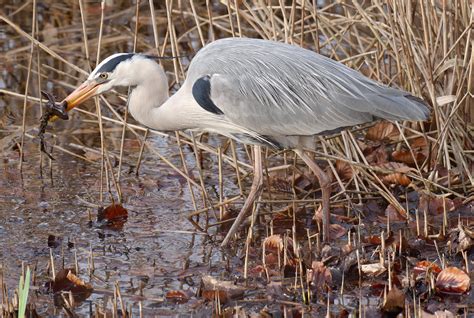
258	92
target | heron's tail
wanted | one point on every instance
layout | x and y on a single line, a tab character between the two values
399	106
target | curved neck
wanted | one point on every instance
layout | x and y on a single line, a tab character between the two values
147	97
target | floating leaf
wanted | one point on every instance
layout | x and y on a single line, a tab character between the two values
54	241
177	296
115	216
452	280
382	131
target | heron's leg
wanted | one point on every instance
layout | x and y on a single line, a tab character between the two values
325	183
257	185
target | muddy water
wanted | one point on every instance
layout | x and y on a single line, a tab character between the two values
152	254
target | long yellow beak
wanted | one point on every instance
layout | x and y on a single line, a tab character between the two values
81	94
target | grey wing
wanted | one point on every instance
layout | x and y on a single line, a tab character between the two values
279	89
271	106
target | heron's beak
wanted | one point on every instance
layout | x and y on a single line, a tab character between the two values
81	94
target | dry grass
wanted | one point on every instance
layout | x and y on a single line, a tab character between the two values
424	47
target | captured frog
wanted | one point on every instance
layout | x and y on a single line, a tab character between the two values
52	110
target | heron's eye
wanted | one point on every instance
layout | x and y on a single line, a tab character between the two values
103	76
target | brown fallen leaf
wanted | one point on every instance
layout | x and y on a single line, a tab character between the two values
452	280
395	214
319	277
426	266
93	155
225	290
177	296
382	131
374	269
461	238
435	205
215	295
67	281
394	302
376	155
344	170
114	216
396	177
405	156
336	231
418	143
273	243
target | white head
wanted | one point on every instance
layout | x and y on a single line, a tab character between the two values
121	69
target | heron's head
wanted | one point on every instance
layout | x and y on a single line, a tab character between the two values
121	69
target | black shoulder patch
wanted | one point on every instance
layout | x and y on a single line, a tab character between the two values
202	95
112	64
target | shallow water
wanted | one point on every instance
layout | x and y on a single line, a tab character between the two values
152	251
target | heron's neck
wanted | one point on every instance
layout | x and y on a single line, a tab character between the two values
147	97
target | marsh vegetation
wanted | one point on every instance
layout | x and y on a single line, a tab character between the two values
127	221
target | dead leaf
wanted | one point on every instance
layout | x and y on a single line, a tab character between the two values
446	177
271	259
177	296
115	216
452	280
344	170
273	243
54	241
426	266
461	238
319	276
214	295
418	143
398	176
437	314
93	155
394	214
376	155
336	231
374	269
212	288
394	302
382	131
435	205
373	240
67	281
405	156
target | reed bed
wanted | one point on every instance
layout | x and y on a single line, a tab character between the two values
424	47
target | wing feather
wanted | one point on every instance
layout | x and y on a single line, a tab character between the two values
278	89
